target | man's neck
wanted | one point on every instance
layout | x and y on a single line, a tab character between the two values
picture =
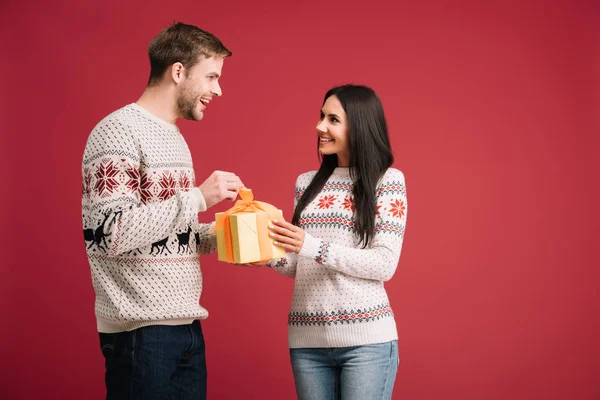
159	101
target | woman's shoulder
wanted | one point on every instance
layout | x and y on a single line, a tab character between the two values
393	175
392	180
305	178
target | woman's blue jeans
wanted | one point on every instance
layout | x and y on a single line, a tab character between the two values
365	372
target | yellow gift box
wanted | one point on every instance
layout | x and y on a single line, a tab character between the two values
243	231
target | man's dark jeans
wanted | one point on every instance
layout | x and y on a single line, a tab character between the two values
155	362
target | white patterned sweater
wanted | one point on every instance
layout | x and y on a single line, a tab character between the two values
339	296
140	223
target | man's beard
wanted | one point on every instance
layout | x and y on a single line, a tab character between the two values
186	105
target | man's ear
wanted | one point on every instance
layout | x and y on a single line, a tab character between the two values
177	72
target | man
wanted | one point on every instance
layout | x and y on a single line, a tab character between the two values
140	215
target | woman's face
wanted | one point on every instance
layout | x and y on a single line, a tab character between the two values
333	131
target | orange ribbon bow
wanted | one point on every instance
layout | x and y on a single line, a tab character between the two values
247	203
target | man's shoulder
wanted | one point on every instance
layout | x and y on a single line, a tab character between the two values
112	136
116	126
118	117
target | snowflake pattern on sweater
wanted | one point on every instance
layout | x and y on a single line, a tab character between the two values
140	222
339	296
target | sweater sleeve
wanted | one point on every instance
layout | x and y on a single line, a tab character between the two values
113	193
206	241
285	266
380	259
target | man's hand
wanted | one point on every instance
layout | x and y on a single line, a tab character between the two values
219	186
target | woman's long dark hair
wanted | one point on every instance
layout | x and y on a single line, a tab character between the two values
370	156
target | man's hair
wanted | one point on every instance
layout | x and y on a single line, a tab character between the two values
181	43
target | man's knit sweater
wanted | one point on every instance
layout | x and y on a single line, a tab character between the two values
140	222
339	298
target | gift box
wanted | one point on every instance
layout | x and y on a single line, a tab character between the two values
243	231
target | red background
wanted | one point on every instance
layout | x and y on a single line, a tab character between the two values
491	109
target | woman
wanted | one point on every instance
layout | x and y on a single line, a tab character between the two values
343	243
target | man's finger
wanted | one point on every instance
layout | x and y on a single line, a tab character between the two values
233	186
231	195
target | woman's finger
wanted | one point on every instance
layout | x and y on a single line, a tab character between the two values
283	238
285	225
287	247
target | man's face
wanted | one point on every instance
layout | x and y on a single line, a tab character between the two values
198	87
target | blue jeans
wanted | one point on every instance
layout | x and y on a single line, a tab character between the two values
155	362
347	373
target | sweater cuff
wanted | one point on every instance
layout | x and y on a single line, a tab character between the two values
276	262
311	247
198	202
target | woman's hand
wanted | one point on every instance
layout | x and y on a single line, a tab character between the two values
286	235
